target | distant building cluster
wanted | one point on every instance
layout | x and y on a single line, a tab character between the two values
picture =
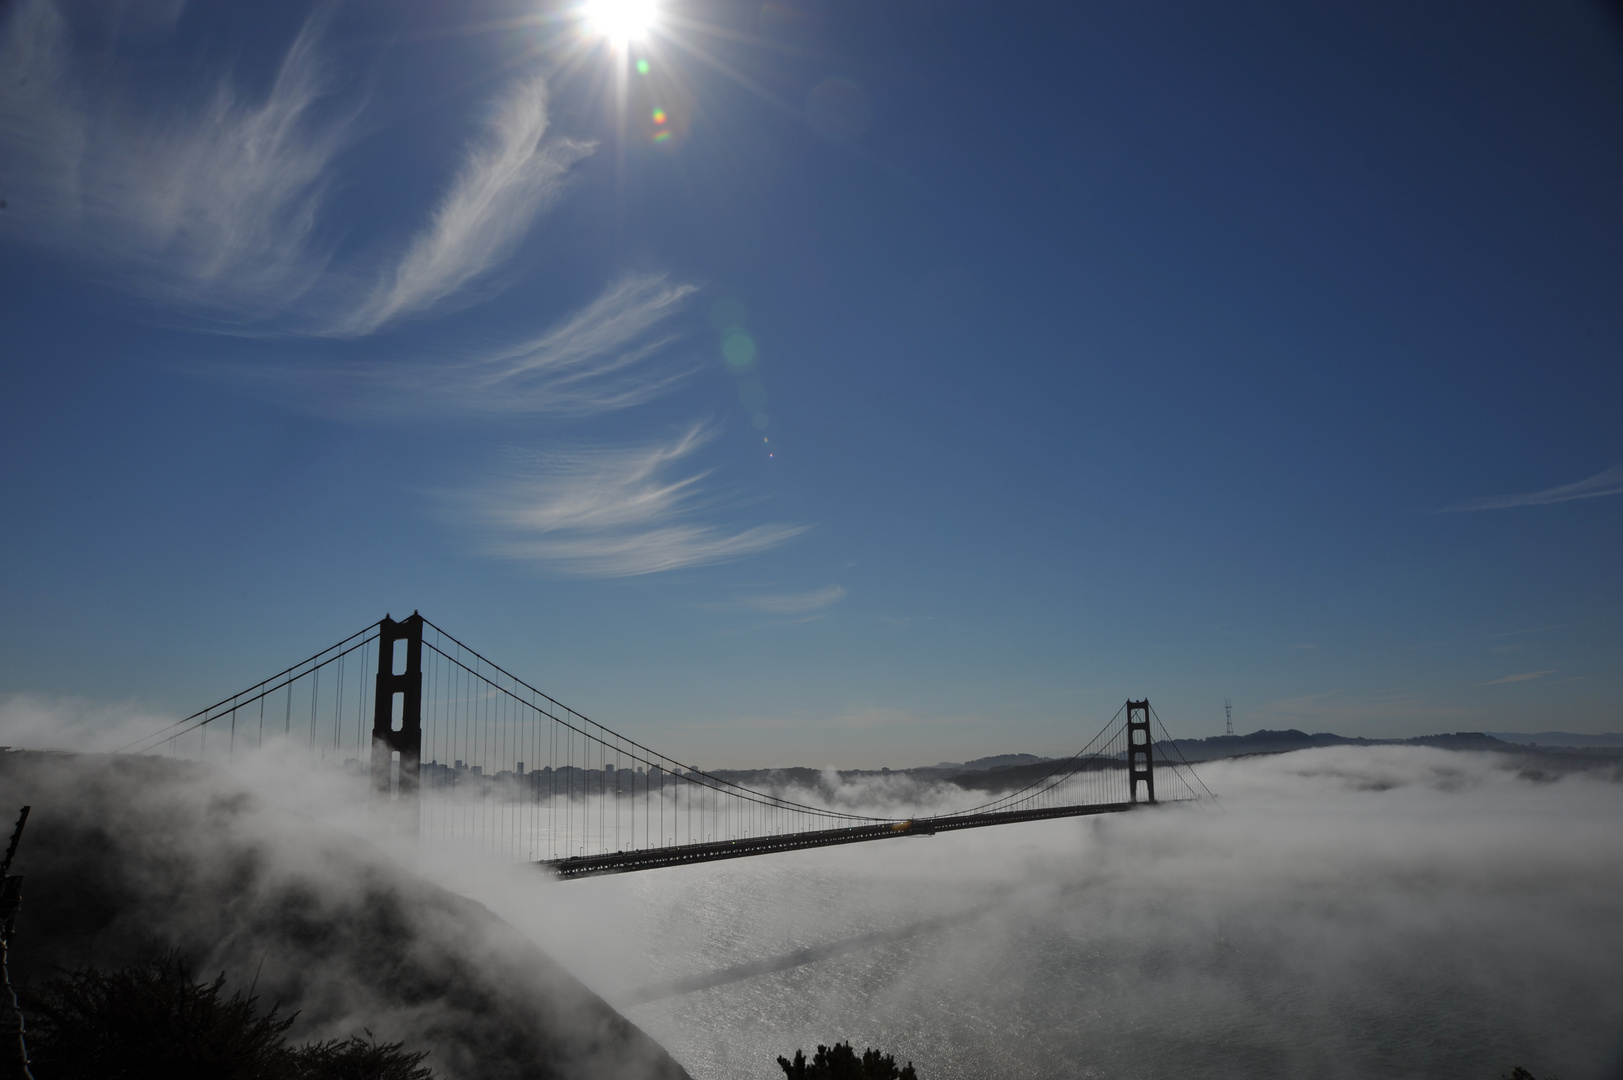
465	780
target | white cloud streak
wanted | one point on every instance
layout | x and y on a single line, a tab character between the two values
612	513
795	603
1601	484
511	176
1525	676
212	206
593	361
608	355
212	203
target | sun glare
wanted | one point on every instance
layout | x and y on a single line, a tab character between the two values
621	21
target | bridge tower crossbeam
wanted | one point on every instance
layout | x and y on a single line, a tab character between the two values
397	737
1140	751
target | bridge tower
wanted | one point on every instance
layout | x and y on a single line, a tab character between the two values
1140	750
397	713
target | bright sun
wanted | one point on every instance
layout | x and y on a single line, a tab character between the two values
620	20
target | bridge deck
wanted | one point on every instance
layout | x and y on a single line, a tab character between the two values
621	862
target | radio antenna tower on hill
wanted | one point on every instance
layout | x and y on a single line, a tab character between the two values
1228	716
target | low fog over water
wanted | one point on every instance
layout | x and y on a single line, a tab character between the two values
1393	911
1340	912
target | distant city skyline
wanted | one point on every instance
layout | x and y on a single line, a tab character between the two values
822	382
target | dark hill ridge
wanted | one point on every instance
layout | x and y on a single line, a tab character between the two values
996	761
1531	760
128	857
1008	772
1259	742
1558	738
1277	742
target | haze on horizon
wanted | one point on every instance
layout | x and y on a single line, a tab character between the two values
822	382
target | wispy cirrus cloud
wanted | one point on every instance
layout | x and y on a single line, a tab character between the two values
215	204
1525	676
610	354
794	603
512	174
786	609
1601	484
592	361
611	512
211	202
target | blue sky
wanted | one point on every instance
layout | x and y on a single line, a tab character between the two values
861	383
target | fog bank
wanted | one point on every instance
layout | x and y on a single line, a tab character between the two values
1341	912
1357	911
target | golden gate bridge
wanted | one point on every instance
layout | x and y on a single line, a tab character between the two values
451	746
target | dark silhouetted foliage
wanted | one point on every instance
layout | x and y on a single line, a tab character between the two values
157	1020
840	1062
154	1020
359	1059
1519	1073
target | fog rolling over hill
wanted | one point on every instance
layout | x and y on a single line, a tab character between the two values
1343	912
128	857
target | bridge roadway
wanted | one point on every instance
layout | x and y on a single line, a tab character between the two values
621	862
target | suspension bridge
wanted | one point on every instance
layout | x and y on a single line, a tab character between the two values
455	748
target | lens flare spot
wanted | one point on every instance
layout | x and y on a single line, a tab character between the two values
738	348
663	136
642	66
659	116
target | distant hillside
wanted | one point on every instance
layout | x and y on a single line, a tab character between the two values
1258	742
1008	772
1535	760
1558	738
1273	742
1001	761
128	857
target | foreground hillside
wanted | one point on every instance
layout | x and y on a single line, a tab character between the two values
127	858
